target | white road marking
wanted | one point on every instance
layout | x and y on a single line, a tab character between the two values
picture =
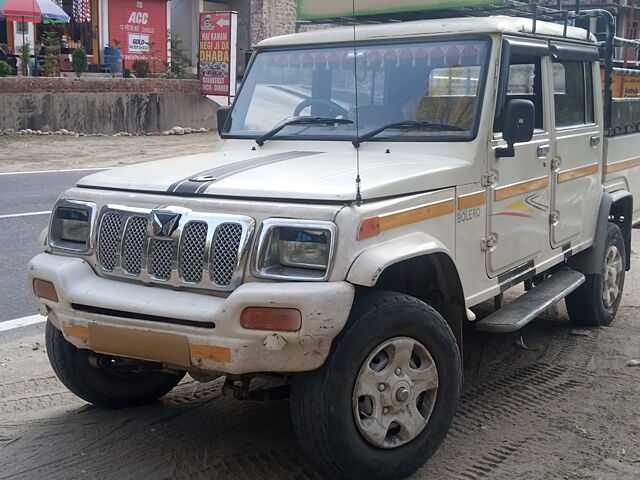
21	322
30	214
56	171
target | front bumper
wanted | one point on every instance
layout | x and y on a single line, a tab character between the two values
227	347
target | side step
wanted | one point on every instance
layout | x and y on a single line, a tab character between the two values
525	308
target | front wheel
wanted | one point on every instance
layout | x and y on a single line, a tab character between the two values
105	381
384	400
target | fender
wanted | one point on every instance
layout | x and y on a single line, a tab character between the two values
369	265
588	262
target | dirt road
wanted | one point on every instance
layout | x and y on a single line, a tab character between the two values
25	153
566	407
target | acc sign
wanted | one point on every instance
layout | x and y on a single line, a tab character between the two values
140	18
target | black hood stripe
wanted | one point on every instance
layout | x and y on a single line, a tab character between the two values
199	182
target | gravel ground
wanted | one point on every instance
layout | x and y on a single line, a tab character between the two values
28	153
550	402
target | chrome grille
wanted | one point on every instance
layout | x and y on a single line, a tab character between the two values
161	255
225	253
192	251
110	228
133	245
205	251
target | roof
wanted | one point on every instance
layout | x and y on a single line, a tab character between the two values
424	28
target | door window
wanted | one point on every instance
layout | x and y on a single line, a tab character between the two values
573	93
525	82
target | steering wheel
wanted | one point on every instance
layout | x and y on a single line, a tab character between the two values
334	109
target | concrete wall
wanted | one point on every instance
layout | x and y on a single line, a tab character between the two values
103	106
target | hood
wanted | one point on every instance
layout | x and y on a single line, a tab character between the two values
296	174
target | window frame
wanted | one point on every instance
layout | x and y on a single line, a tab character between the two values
480	102
588	110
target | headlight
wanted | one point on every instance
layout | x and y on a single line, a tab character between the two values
71	226
295	250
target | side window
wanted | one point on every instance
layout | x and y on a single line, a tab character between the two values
525	82
573	93
455	81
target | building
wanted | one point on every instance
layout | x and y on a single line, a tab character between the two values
140	28
257	20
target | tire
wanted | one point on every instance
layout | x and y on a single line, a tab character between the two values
595	303
336	425
100	386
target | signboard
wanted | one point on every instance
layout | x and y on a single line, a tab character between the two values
314	9
217	57
141	28
138	43
623	86
626	87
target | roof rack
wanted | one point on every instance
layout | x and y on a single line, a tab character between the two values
534	11
514	8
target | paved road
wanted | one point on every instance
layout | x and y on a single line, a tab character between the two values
20	194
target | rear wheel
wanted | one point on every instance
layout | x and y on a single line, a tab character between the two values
103	380
384	400
595	303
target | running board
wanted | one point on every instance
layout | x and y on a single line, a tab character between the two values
525	308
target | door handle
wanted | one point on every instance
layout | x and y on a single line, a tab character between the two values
594	141
543	150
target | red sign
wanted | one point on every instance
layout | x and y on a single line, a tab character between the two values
216	60
141	27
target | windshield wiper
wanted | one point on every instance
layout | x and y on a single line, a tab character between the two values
301	121
406	124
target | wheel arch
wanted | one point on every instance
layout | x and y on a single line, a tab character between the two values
421	267
615	207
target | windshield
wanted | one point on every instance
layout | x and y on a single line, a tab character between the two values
428	81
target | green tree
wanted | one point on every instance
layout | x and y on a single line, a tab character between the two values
5	69
79	61
153	53
179	59
141	68
52	53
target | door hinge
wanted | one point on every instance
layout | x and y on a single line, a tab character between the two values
488	243
554	217
489	179
555	163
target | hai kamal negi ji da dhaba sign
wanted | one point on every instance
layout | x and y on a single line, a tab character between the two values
217	58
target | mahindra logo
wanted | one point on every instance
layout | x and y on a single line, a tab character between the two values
165	222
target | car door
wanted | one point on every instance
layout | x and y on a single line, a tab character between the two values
577	144
519	186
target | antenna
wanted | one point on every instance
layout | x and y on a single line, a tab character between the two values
359	200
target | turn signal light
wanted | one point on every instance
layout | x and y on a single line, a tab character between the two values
369	227
279	319
45	289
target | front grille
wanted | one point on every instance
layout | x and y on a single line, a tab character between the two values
133	245
204	251
192	253
225	253
108	240
161	254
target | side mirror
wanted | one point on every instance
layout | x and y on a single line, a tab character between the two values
223	118
518	120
